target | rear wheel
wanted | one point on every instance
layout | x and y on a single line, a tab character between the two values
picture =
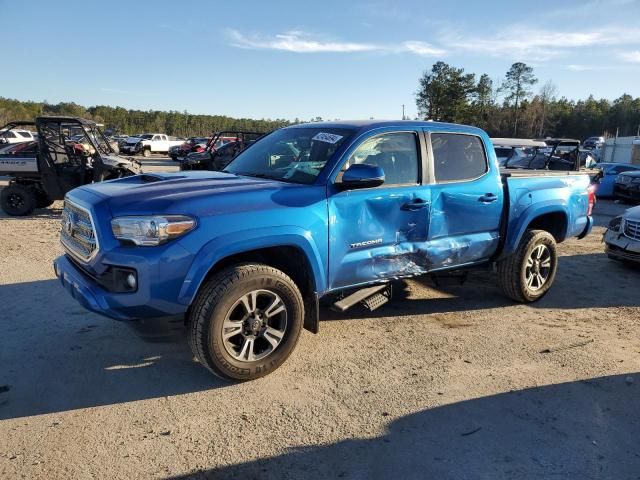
17	200
528	274
245	321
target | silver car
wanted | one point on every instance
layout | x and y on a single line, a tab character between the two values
622	238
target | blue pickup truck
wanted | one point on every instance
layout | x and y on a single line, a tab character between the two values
332	211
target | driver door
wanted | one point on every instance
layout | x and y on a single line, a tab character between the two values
375	233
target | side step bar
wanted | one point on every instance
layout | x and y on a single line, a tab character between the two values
370	297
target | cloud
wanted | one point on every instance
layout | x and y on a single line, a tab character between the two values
631	57
580	68
422	48
301	42
523	42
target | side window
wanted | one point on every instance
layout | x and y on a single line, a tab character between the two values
395	153
457	157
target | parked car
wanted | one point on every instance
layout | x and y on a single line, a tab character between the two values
45	171
594	142
622	238
192	144
609	173
222	149
334	210
627	186
149	143
15	135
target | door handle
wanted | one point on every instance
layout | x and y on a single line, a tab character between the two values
416	204
488	198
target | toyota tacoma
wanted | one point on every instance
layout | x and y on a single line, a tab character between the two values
334	211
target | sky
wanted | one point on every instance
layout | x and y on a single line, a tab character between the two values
297	59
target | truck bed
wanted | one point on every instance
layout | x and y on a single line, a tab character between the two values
522	172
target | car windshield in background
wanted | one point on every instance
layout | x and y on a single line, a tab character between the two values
146	136
295	155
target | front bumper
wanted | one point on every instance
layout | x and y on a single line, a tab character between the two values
628	191
621	247
153	298
129	149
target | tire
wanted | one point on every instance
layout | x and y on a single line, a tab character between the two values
146	153
515	272
220	300
17	200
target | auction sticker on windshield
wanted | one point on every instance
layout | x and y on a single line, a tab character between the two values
327	137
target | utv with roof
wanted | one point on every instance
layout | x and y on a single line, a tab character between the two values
70	152
223	147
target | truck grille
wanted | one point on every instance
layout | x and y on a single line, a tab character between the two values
632	229
77	233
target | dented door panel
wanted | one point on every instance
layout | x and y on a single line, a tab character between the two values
375	234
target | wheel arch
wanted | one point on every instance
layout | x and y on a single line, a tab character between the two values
293	254
552	218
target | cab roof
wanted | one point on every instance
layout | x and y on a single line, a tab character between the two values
64	119
365	125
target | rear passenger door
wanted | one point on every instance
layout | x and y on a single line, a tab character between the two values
466	200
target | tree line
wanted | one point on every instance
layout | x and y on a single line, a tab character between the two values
507	107
512	107
123	121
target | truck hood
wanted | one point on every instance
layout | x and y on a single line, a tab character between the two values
196	193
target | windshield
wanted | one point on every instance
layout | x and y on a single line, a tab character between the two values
295	155
146	136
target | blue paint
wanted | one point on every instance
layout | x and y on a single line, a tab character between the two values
349	237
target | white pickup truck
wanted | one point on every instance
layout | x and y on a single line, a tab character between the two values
15	136
149	143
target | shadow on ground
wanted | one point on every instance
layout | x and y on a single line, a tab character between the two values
49	213
585	429
55	356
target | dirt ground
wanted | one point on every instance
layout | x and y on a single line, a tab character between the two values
453	382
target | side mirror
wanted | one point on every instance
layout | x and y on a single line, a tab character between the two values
362	175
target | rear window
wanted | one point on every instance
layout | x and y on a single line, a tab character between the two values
457	157
25	134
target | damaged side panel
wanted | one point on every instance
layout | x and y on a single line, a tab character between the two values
372	234
375	236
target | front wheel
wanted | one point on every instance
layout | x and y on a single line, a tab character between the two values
146	153
17	200
527	275
246	321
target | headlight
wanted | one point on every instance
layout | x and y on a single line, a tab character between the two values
615	224
153	230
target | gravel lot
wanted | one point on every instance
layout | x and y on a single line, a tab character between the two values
455	382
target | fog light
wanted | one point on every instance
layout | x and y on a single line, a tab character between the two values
132	283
